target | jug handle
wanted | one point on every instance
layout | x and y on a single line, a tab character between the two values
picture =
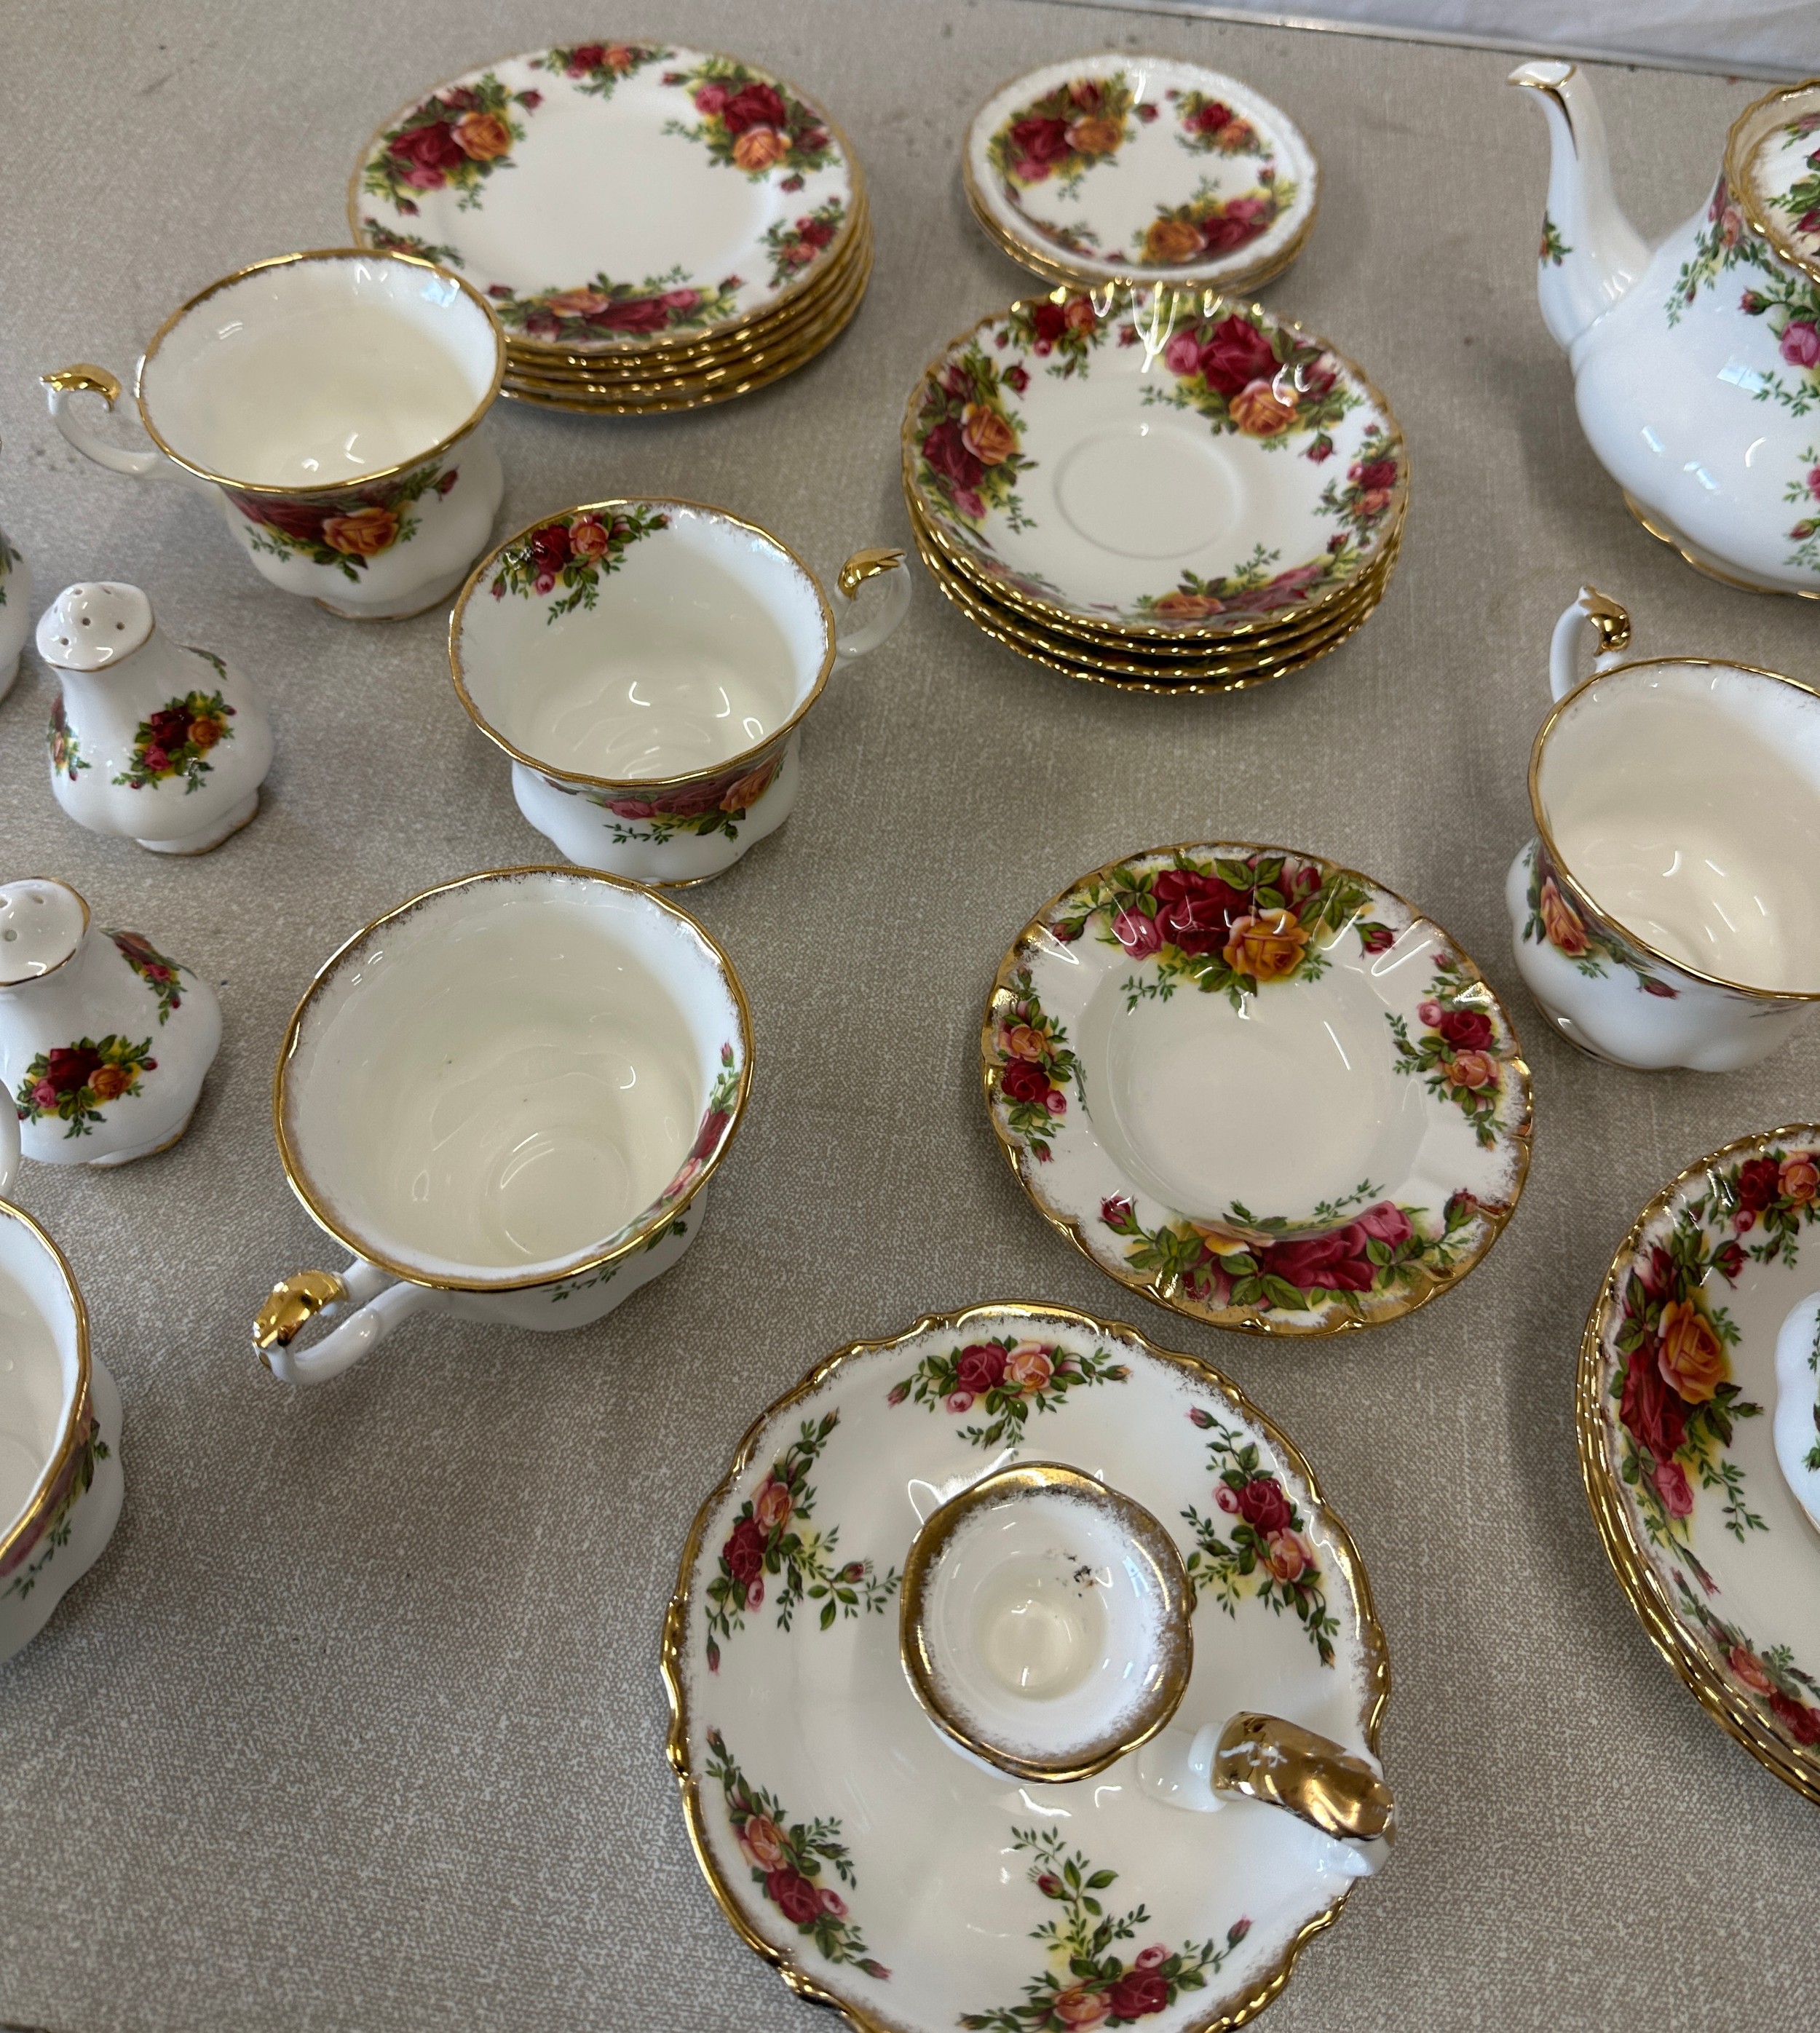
84	377
862	566
1612	625
384	1303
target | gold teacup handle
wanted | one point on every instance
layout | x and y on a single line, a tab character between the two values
85	378
383	1302
864	565
1609	622
1263	1757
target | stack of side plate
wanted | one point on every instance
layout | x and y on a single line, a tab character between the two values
655	227
1162	492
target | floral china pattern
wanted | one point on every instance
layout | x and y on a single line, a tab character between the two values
1266	1553
575	552
1768	1673
159	974
795	246
455	139
1208	226
176	741
1674	1398
772	1536
597	68
18	1569
786	1859
345	534
1086	1983
715	1118
1556	918
75	1083
718	805
1461	1051
603	308
1210	127
1058	138
1247	375
60	739
9	558
1034	1065
1005	1379
750	121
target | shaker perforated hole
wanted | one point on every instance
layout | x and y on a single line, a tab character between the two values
8	935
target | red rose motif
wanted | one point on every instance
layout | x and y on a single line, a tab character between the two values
744	1552
945	450
1234	354
1138	1993
1040	141
587	56
1379	473
1017	376
1377	938
1728	1260
1336	1262
431	147
1262	1505
1116	1210
69	1066
550	548
1386	1222
1238	220
753	105
1467	1030
1021	1080
793	1896
1652	1414
1193	911
1210	119
979	1367
1801	342
1757	1184
713	1123
634	314
298	520
1802	1722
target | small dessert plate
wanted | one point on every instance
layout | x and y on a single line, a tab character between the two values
1695	1452
1006	1541
1257	1088
1147	169
1176	466
608	197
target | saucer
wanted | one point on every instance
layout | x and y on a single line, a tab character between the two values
1260	1088
1134	168
885	1872
1165	467
1677	1414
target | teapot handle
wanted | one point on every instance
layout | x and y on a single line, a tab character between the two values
85	376
1608	618
869	564
384	1303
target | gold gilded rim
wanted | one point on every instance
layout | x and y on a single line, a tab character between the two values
1144	659
1375	1693
800	341
855	209
1583	896
636	786
1053	268
1749	131
1265	670
1741	1718
654	1220
1203	304
1149	1544
53	883
1495	1220
379	473
76	1425
1665	532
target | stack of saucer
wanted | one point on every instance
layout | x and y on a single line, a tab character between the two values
1163	492
677	227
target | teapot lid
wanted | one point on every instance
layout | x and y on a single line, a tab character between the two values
42	923
1773	168
87	627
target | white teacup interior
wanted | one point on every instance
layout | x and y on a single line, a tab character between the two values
706	638
1685	800
492	1086
315	372
39	1364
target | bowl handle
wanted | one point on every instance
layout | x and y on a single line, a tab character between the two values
385	1303
862	566
84	375
1613	625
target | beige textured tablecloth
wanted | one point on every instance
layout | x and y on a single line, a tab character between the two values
357	1724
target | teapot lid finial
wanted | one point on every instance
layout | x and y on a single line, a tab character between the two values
88	626
42	922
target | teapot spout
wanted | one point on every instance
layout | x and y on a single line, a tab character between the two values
1590	253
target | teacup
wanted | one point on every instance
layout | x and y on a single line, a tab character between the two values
1046	1628
648	664
326	400
60	1478
506	1098
1667	914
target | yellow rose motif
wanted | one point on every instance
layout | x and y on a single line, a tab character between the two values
986	434
1022	1041
1225	1240
741	797
1689	1354
1095	134
1187	606
107	1083
577	303
363	534
1268	947
1168	241
1561	923
483	137
1261	410
758	147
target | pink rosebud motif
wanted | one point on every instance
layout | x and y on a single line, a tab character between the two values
711	98
1116	1211
1672	1485
1801	342
45	1095
1430	1014
832	1902
1227	1499
755	1595
1017	376
1183	355
1148	1959
1139	935
897	1393
959	1401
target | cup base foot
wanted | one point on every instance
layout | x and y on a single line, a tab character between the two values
419	604
242	815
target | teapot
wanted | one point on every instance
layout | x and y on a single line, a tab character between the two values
1697	362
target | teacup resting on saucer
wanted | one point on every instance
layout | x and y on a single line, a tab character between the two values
648	665
506	1097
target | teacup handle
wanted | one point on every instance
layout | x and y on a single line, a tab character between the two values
1796	1426
385	1302
1265	1757
1608	618
84	376
862	566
